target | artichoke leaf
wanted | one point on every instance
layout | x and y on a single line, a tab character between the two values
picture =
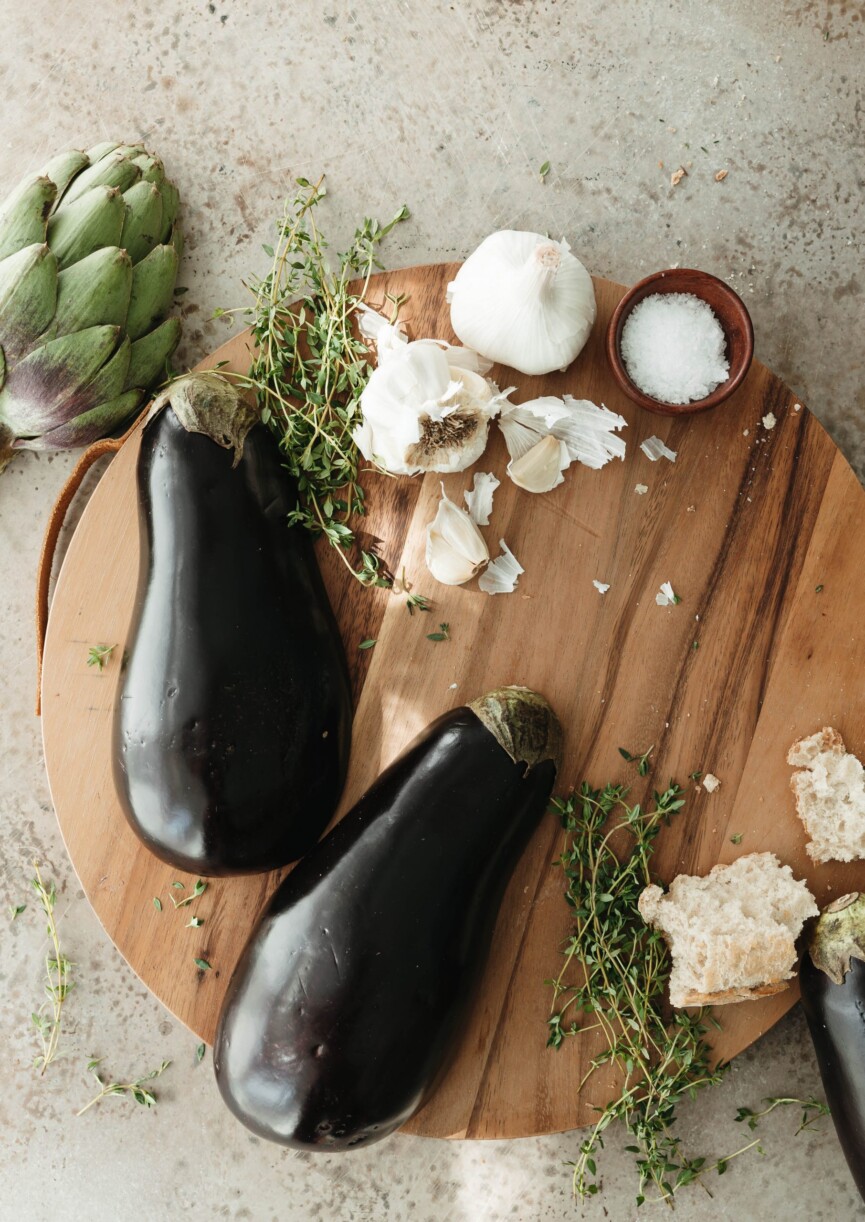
109	383
79	228
62	168
170	208
152	290
38	387
110	170
98	151
83	430
150	355
24	215
28	293
92	292
143	222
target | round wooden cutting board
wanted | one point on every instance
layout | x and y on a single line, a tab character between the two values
760	532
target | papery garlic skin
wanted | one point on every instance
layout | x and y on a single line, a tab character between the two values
542	467
455	549
523	300
480	499
426	407
502	574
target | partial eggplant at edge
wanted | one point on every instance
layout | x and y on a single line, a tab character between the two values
832	979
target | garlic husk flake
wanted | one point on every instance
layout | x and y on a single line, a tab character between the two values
455	549
542	467
502	573
523	300
480	499
426	407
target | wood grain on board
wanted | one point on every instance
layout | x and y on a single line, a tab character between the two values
758	530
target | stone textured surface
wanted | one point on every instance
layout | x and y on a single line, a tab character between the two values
453	109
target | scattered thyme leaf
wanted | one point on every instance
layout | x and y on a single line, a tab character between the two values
443	633
202	965
642	761
695	776
178	886
157	903
818	589
98	655
136	1090
199	889
544	170
368	644
736	838
15	910
199	1053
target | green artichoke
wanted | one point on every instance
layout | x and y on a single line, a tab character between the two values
89	250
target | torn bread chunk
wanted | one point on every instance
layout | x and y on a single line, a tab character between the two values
829	789
732	933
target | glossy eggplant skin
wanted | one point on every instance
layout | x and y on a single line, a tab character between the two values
233	724
836	1019
347	1001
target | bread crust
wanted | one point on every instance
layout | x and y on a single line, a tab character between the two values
728	996
804	750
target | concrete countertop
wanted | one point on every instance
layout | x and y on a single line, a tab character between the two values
451	108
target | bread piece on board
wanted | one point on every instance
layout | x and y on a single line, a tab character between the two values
829	789
732	933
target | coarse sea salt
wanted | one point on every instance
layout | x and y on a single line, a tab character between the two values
674	348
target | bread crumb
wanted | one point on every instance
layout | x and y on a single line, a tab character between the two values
641	489
797	407
601	586
721	175
769	421
710	782
677	176
745	432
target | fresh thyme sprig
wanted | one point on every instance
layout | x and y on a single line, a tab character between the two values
139	1092
812	1110
57	982
613	980
311	367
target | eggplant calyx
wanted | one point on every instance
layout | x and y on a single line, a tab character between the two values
839	936
208	403
522	723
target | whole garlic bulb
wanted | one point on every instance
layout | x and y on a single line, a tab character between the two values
427	407
523	300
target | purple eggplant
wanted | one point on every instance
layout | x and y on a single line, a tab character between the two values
347	1003
832	979
233	725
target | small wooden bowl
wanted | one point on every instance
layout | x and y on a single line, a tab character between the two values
731	313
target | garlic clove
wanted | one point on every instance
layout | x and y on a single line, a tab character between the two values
455	548
502	573
540	468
